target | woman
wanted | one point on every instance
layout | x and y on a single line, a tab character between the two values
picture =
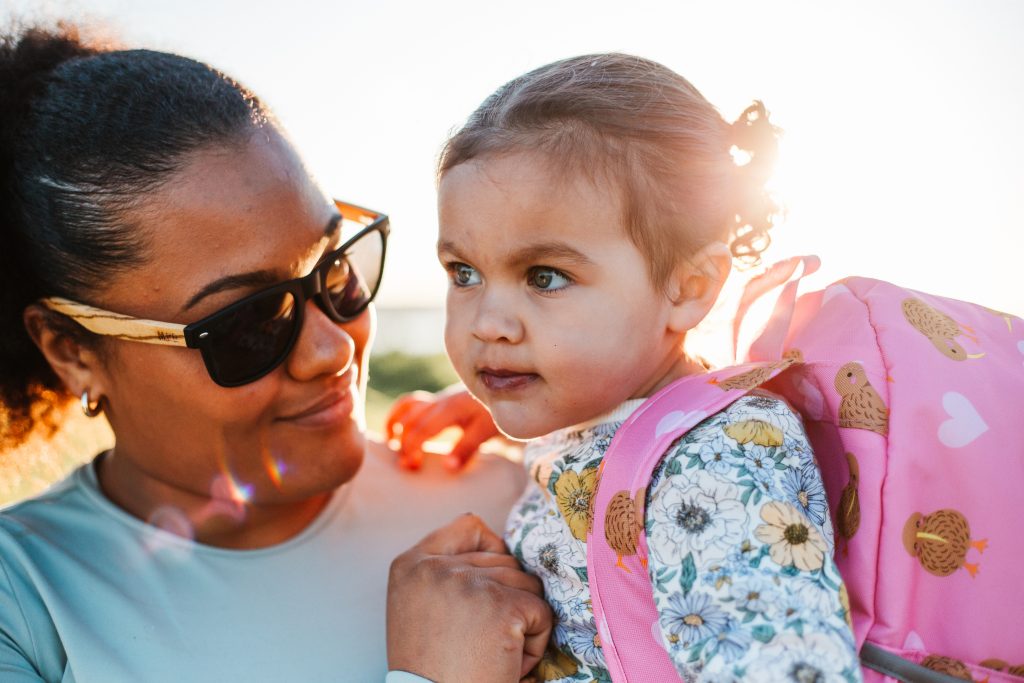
170	263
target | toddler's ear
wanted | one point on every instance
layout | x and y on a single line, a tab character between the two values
695	285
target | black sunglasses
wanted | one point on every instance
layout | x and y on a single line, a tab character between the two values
248	339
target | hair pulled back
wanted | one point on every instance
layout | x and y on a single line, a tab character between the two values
649	131
86	131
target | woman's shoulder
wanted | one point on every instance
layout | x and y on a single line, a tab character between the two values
35	534
66	497
38	535
432	496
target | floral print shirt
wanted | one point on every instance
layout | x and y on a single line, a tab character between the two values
740	549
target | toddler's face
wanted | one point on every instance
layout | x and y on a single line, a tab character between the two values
552	318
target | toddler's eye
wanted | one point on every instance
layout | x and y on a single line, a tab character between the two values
463	275
547	279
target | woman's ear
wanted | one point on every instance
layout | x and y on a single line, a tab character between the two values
695	285
77	365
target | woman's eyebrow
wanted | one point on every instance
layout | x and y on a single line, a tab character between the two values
255	278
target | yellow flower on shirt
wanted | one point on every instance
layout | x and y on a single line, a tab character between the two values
574	493
555	665
793	539
760	432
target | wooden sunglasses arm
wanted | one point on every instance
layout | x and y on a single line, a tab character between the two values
358	214
117	325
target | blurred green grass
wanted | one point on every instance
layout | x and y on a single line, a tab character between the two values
40	461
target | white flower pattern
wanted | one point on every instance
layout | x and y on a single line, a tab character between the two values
702	515
742	616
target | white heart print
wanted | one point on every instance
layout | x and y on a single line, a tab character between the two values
964	424
832	291
914	642
814	402
675	418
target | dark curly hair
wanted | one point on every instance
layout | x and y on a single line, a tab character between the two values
647	129
86	131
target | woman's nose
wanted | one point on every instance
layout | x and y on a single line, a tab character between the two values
324	347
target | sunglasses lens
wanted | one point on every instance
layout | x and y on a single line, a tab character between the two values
251	339
352	279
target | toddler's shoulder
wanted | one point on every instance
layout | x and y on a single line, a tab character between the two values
759	430
759	404
760	417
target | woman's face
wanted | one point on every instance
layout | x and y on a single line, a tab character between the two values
240	217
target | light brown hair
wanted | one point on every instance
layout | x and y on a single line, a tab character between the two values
646	129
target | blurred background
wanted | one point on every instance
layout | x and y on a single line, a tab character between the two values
902	156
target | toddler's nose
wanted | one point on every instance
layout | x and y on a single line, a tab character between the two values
495	321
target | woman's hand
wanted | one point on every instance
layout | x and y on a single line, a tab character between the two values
460	609
420	415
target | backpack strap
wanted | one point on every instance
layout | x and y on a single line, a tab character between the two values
620	588
767	342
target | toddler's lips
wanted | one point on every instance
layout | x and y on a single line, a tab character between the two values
506	380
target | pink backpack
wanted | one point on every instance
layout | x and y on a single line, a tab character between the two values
915	407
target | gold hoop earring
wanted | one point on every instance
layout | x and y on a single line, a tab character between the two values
90	409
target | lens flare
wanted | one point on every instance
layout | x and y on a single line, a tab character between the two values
275	467
238	493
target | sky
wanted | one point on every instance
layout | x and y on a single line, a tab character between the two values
903	155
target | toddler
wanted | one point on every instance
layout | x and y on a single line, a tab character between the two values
589	213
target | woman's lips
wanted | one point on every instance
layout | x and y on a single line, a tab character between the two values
333	407
326	413
506	380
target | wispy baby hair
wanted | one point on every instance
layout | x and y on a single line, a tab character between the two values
646	129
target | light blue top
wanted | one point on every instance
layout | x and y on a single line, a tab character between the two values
90	593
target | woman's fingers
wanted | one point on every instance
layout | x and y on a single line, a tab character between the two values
536	634
488	559
513	577
465	534
458	612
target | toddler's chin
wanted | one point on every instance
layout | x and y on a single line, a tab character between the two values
523	430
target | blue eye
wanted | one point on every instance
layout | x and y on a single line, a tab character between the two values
547	279
463	275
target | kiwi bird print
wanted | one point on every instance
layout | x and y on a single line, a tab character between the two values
940	329
940	542
745	381
861	406
1005	316
947	665
623	522
997	664
848	512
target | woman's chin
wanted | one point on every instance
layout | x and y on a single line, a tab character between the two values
312	467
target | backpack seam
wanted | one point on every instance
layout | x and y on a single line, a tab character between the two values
885	476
